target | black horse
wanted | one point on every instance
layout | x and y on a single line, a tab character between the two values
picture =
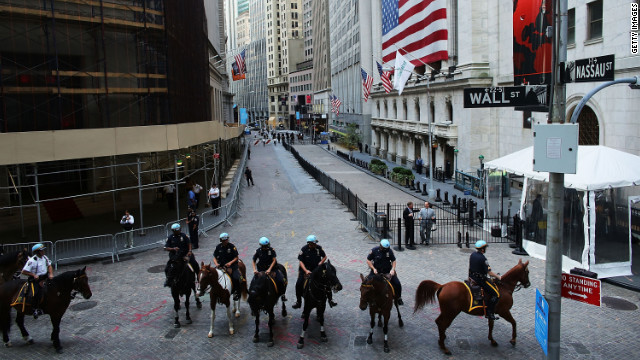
263	296
183	282
321	280
11	263
56	296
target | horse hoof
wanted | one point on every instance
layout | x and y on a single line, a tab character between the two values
8	344
494	344
176	325
59	350
300	346
401	323
386	349
210	335
324	339
447	352
255	339
231	332
199	305
369	341
284	313
238	314
512	342
30	342
189	321
270	343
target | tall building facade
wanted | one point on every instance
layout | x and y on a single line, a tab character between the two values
321	61
256	79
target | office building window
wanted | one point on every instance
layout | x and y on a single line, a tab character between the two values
595	20
571	20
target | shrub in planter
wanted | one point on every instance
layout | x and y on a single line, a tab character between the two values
400	175
378	166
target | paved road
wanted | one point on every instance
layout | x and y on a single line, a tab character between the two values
132	313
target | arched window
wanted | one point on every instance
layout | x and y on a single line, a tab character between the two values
449	111
589	133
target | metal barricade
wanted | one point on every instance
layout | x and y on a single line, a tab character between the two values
49	250
78	248
143	238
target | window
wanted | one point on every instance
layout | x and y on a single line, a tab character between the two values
595	20
571	20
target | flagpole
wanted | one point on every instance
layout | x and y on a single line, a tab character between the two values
431	191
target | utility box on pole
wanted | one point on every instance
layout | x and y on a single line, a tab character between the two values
555	148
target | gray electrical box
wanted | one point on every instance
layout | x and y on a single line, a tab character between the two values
555	148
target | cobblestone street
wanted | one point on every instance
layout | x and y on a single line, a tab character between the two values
130	315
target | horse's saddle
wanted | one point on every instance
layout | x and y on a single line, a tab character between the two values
477	293
24	295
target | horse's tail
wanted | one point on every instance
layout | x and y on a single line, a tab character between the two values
243	284
426	294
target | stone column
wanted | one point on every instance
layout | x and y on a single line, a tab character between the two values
411	150
384	144
392	151
401	144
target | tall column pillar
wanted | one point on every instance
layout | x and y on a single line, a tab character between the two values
411	150
391	155
384	144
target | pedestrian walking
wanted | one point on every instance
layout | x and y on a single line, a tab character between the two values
193	224
191	198
248	176
127	222
407	215
197	188
427	220
214	199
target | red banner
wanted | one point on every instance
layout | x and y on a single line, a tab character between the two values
531	46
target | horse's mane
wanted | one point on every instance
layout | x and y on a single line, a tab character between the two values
65	278
8	259
512	271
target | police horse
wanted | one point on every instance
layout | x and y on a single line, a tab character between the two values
376	292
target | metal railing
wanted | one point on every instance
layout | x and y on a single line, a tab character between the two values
85	247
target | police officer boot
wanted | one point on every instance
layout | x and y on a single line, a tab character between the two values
491	309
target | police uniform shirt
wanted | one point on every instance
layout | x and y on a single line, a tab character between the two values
478	264
264	257
382	260
180	241
311	257
38	265
224	254
194	221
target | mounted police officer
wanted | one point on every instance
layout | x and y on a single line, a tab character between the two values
381	260
225	256
179	246
265	260
310	257
479	271
38	268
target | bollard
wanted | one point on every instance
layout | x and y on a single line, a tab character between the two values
406	183
413	186
464	206
517	224
438	199
424	190
418	187
467	239
472	211
375	207
446	198
454	201
399	247
458	210
459	240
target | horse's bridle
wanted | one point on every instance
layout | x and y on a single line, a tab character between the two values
75	292
373	303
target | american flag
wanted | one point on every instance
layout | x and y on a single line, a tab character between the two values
415	27
367	80
384	77
333	103
336	105
240	62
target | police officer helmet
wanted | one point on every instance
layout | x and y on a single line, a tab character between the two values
480	244
175	227
224	236
37	247
312	239
385	243
264	241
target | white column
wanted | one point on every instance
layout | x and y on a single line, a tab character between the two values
411	150
392	145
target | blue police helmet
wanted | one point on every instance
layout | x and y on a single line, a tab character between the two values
385	243
312	239
175	227
37	247
480	244
264	241
224	236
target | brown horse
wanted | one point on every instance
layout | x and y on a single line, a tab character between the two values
377	293
221	290
10	263
454	297
56	296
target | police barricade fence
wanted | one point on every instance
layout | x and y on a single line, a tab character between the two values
49	250
143	238
79	248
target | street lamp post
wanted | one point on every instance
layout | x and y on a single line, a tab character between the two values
455	164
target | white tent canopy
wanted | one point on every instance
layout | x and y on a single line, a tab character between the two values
599	167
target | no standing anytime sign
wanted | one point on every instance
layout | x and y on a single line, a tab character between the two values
581	288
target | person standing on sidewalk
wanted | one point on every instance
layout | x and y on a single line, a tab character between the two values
127	222
419	164
214	199
407	215
197	188
427	219
249	176
193	224
170	194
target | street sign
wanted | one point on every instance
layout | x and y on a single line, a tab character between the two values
529	95
542	321
594	69
581	288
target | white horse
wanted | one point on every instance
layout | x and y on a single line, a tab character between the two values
220	293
